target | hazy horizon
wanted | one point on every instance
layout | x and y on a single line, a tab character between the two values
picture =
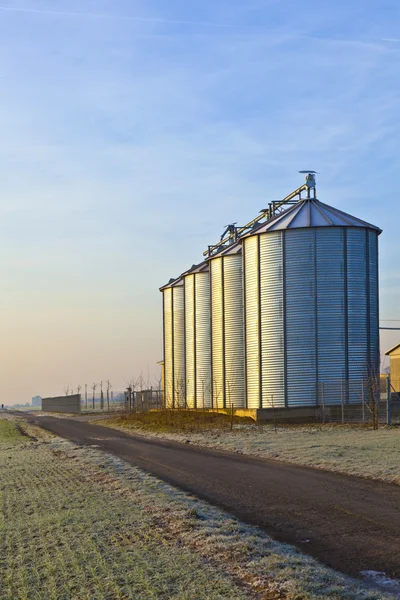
131	135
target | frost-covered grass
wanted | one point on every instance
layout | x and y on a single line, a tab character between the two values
351	449
80	524
69	531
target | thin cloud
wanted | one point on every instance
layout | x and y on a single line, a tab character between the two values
162	21
114	17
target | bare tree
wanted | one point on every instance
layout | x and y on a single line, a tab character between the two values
66	389
101	396
216	395
94	386
86	395
108	394
159	392
371	393
140	381
180	393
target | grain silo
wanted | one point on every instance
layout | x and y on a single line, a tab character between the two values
310	306
282	313
197	336
174	343
227	341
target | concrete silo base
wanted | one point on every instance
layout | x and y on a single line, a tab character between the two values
301	414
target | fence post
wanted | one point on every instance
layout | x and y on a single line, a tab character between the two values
363	400
388	402
342	399
323	401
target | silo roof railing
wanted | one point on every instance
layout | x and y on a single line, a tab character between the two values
275	207
290	212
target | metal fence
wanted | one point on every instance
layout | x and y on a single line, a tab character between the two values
113	402
371	401
129	401
143	400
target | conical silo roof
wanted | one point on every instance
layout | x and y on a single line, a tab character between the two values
311	213
235	248
200	268
173	282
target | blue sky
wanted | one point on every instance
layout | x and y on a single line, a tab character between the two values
132	132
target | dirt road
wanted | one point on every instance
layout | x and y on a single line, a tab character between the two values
349	523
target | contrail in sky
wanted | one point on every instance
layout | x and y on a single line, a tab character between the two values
116	17
161	21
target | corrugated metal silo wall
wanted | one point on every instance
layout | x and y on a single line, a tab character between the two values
174	344
331	286
198	340
190	341
179	346
252	320
217	333
271	319
311	315
227	331
374	301
168	341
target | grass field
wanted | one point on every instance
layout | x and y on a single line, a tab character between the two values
351	449
68	535
10	434
80	524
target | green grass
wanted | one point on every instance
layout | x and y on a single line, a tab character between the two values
177	421
10	433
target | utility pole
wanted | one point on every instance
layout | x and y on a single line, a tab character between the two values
86	395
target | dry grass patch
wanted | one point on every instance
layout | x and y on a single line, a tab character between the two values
178	421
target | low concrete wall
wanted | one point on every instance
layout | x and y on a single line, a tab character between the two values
62	404
238	412
297	414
